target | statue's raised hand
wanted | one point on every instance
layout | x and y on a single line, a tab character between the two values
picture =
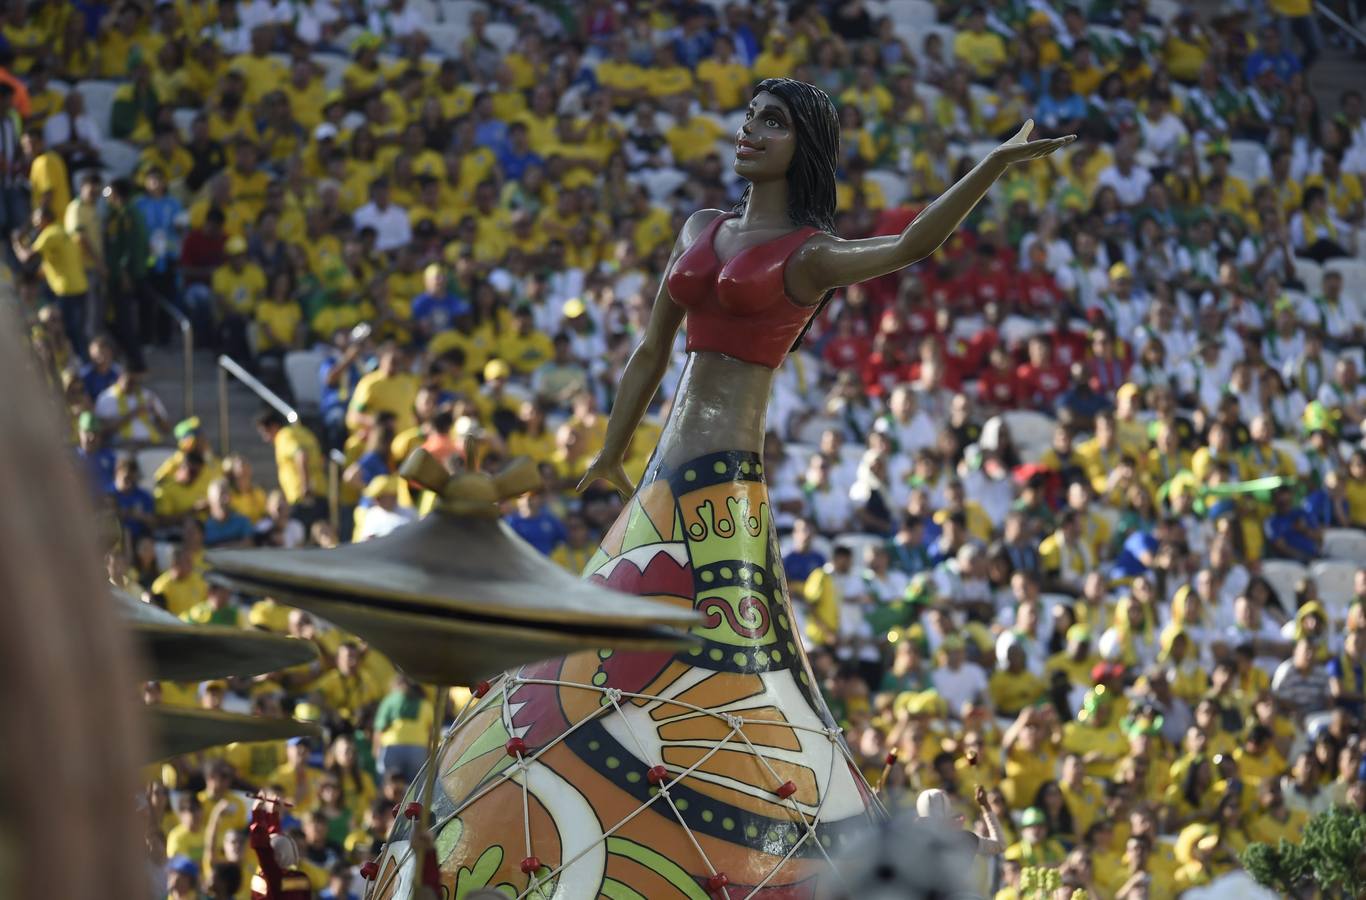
1021	149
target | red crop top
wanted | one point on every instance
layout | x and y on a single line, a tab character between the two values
740	308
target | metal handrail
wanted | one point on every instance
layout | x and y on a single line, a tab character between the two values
187	338
336	460
229	366
1341	23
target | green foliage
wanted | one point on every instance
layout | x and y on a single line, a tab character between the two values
1330	856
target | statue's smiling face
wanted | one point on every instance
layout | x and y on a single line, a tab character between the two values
766	141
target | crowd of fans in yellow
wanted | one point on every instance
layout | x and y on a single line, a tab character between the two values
1070	509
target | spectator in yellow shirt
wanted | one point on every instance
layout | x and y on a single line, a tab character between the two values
238	286
725	81
390	388
187	837
298	459
279	318
980	50
691	138
180	585
47	176
779	59
347	689
63	269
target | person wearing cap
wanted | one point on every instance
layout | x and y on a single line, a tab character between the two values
383	514
98	460
238	286
182	878
1035	848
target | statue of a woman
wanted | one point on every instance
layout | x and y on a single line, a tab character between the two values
717	771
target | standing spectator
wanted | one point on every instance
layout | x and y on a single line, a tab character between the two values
13	203
1296	19
125	243
161	217
49	183
62	268
238	285
81	218
299	462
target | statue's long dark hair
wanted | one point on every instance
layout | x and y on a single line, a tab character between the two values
811	174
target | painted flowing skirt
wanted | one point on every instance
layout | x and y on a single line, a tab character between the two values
714	772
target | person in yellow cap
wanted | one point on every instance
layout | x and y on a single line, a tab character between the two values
383	514
238	286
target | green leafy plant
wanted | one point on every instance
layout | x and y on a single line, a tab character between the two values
1331	857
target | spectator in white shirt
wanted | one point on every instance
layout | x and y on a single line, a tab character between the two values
384	514
905	423
958	681
73	133
829	508
1163	133
1345	392
1129	180
390	221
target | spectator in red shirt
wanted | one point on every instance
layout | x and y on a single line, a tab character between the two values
1109	362
987	279
1069	345
998	388
201	253
886	366
977	351
943	279
1041	379
1035	290
846	349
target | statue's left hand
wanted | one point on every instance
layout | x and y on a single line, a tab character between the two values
1021	149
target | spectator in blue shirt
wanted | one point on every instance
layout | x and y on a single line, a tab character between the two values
1327	506
98	460
437	307
1061	110
100	372
1139	551
801	560
1290	533
338	374
536	525
224	526
694	42
1272	56
375	461
137	508
489	130
516	156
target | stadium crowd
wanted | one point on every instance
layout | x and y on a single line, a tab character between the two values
1071	510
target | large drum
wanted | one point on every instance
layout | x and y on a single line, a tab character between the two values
716	771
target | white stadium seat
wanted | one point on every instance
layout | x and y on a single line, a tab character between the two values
1353	276
99	100
1284	576
501	35
119	157
1334	578
1028	426
149	460
1345	543
1310	273
893	185
1249	161
302	372
909	13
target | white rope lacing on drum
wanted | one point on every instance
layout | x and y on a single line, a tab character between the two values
613	696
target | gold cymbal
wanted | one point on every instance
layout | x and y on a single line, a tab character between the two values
446	565
457	596
178	651
177	730
437	649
